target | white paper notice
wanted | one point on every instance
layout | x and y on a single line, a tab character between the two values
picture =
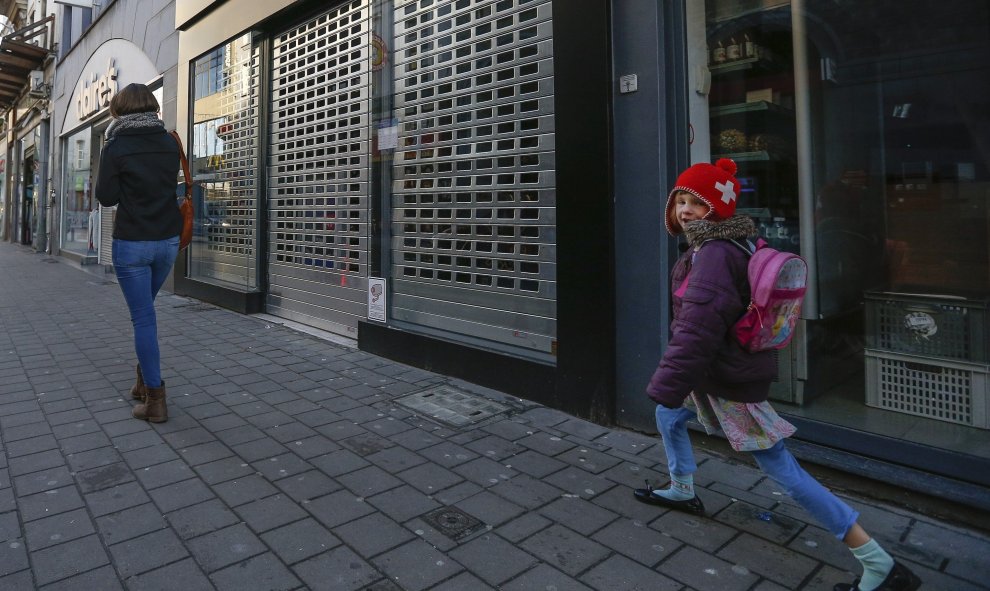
376	299
388	137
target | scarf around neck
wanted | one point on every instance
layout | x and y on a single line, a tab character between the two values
133	121
736	227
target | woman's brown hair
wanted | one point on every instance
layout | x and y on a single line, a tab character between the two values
133	98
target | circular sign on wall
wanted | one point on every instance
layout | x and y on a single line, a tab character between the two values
379	52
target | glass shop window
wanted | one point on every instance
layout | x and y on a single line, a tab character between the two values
223	156
80	210
863	143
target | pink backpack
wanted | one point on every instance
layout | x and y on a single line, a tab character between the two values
777	282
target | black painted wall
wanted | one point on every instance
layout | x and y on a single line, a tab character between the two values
650	138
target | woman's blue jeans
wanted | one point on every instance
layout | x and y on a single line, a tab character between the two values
776	462
141	267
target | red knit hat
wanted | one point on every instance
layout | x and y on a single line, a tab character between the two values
715	184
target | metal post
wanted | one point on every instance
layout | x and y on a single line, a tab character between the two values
805	155
17	188
41	190
5	218
47	192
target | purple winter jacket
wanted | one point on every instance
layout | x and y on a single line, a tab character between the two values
703	355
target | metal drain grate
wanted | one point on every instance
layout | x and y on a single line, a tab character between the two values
451	406
452	522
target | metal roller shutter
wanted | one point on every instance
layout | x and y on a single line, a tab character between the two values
105	254
474	205
319	168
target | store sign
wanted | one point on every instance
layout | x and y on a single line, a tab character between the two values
95	91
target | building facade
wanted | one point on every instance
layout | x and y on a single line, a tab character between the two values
477	187
102	48
393	172
27	68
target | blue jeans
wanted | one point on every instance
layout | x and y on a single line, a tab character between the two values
141	267
776	462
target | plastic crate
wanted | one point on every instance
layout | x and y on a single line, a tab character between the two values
936	389
946	328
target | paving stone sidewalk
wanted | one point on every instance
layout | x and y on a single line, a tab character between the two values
293	462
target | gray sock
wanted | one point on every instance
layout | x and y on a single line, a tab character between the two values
681	488
876	564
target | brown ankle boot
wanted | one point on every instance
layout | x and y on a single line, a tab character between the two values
138	389
153	410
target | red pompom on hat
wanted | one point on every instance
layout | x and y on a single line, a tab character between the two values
716	185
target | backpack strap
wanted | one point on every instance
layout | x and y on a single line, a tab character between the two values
682	288
749	247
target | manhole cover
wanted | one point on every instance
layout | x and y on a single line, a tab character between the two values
452	522
451	406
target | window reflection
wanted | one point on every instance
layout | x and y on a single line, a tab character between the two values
224	160
80	212
861	134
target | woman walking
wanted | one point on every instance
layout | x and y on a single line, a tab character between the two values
138	169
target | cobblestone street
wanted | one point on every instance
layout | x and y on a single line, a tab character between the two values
291	461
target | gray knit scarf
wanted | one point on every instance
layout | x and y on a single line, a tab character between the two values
133	121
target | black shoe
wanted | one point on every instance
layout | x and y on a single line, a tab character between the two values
693	506
900	578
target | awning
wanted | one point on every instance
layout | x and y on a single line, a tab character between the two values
21	52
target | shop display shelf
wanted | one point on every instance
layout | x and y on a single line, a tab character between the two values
746	63
758	156
751	107
932	388
945	327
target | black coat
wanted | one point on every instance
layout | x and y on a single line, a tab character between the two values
138	172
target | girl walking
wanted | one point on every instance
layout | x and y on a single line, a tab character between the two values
705	373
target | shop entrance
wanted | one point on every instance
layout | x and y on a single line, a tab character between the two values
474	203
318	182
27	201
100	222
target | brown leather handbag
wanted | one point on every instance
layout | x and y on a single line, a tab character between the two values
186	207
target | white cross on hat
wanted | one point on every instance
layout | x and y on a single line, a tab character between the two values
728	191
